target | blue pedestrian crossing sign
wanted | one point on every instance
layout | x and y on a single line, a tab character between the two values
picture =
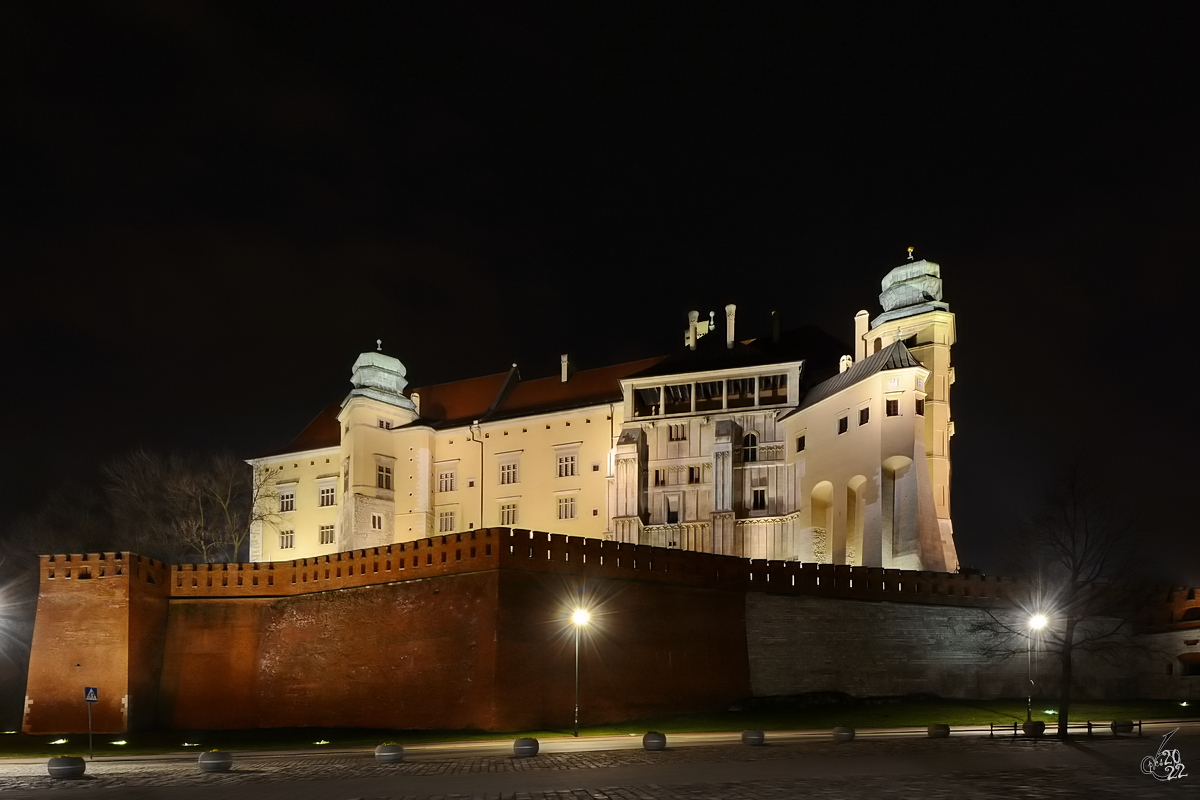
90	694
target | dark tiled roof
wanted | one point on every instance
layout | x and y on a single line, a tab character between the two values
816	348
323	431
894	356
466	399
584	388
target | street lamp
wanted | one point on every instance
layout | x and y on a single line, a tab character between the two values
1036	623
580	618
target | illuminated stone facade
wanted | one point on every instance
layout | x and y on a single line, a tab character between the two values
781	447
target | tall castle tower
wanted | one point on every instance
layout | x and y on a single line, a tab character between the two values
914	312
377	480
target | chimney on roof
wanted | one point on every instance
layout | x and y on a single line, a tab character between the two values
861	326
416	401
565	364
845	363
729	310
775	327
691	337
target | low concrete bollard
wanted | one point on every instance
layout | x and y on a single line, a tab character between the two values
753	738
389	754
1033	727
66	766
1120	726
215	761
525	747
843	734
939	731
653	740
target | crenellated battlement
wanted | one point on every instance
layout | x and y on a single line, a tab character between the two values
496	548
85	566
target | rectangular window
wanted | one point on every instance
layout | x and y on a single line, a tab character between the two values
383	477
660	477
920	406
386	424
509	473
677	433
446	480
800	444
566	508
346	477
893	408
326	534
566	466
377	522
672	509
678	399
287	499
508	514
759	500
693	474
327	496
287	540
772	389
445	522
843	424
864	416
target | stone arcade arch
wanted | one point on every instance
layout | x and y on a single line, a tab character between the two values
856	512
901	525
821	521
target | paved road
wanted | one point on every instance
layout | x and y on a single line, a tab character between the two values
887	764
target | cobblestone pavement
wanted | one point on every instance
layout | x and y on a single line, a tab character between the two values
895	768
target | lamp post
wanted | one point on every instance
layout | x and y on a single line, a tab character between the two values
1036	623
580	618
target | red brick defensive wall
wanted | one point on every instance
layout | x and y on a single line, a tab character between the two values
465	630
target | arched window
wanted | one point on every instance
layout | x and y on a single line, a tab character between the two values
750	448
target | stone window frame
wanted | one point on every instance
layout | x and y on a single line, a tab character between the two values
327	534
287	540
508	466
445	519
287	497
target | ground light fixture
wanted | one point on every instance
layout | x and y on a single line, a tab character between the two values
1036	623
580	618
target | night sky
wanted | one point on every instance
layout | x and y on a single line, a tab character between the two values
208	210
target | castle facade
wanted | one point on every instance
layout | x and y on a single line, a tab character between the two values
783	447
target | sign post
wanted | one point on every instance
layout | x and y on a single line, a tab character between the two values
90	695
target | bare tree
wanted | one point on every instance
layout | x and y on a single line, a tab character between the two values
195	507
1076	552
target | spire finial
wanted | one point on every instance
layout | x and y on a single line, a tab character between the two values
379	345
910	252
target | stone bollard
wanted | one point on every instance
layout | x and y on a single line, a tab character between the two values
753	738
66	766
215	761
1033	727
389	753
939	731
1120	726
653	740
843	734
525	747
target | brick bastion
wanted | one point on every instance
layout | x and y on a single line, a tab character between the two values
472	630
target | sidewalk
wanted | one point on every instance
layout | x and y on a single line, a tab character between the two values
880	764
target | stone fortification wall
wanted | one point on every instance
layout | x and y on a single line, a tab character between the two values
100	622
801	644
471	630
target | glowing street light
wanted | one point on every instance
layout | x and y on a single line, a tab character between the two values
580	618
1036	623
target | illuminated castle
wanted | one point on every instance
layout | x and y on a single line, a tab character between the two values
781	447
